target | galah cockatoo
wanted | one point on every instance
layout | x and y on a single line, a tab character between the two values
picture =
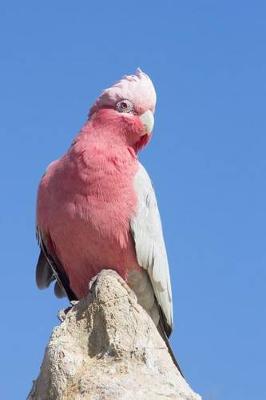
97	209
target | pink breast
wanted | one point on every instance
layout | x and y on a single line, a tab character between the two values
85	203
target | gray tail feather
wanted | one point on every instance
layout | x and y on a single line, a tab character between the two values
166	340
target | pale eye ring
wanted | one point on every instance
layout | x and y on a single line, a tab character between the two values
124	106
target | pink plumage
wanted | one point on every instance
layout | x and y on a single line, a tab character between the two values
85	203
86	199
96	207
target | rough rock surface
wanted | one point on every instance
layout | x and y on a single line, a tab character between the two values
107	348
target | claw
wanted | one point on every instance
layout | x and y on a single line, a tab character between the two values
61	315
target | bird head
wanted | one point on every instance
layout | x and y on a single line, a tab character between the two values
127	109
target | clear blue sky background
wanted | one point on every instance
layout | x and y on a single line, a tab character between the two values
207	160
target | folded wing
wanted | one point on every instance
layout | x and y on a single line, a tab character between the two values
151	254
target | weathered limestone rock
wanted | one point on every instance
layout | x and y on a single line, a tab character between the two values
107	348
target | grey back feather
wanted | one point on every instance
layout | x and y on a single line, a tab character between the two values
44	273
46	270
147	232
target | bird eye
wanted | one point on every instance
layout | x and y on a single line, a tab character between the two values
124	106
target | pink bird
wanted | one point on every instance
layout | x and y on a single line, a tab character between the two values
97	209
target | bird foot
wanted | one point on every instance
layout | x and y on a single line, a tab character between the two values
63	313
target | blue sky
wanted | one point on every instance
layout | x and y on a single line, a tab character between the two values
207	161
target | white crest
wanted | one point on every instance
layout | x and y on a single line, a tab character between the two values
138	88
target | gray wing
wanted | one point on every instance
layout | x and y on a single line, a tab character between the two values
49	270
46	270
45	275
151	254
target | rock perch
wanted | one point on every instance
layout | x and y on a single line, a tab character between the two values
107	348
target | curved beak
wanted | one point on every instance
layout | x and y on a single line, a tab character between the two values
147	119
